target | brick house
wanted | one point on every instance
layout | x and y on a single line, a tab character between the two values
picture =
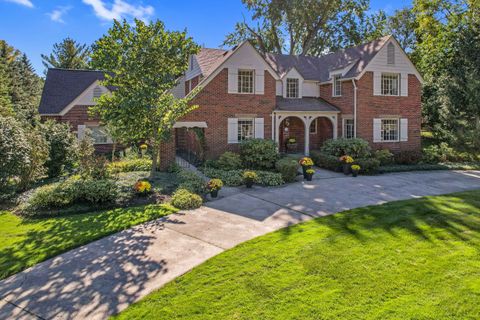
371	91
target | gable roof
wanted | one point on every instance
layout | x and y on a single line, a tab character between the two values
62	86
319	68
207	58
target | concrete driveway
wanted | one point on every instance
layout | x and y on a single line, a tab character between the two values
105	276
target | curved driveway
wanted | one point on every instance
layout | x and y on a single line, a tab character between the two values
104	277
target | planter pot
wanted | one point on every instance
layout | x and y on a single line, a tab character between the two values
292	147
214	193
309	176
347	168
304	169
249	183
354	173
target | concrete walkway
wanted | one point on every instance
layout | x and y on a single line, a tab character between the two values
105	276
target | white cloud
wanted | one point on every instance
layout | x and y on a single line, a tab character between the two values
26	3
57	14
119	9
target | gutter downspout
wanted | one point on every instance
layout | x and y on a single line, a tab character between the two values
354	108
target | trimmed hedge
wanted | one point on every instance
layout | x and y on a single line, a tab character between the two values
234	178
258	153
229	161
428	166
367	165
356	148
186	200
142	164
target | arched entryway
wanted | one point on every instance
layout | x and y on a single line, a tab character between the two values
190	141
292	128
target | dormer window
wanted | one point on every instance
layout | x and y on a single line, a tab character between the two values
292	88
337	85
97	92
391	53
245	81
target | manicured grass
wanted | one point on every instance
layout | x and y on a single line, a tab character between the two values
24	243
415	259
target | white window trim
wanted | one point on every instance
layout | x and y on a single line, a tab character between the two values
253	81
399	81
343	127
253	128
93	125
315	123
398	130
334	87
298	88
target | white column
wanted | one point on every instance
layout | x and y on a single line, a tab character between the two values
307	135
335	126
277	122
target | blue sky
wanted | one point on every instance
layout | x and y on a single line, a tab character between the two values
33	26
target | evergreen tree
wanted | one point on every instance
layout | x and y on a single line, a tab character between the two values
68	54
6	106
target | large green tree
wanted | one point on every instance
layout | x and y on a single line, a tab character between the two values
304	27
143	62
68	54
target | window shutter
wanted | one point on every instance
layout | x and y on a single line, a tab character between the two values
377	86
259	82
81	131
232	80
259	128
403	129
232	130
377	129
404	84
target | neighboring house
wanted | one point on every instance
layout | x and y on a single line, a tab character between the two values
371	91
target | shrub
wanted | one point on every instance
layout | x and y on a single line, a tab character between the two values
407	157
186	200
141	164
61	147
368	166
229	161
89	165
258	153
231	178
356	148
384	156
38	155
269	179
68	192
191	182
288	168
325	161
444	153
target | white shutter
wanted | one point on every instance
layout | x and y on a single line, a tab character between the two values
403	129
377	130
404	84
232	130
232	80
377	83
259	128
259	82
81	131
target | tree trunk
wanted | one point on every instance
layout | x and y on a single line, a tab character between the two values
113	151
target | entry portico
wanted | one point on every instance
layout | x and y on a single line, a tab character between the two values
307	110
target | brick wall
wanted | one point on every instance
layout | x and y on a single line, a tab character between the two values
217	105
370	107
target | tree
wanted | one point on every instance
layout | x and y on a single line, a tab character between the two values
143	62
402	25
305	27
68	54
6	106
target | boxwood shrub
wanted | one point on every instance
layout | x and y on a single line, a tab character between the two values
288	168
356	148
325	161
258	154
186	200
141	164
234	178
229	161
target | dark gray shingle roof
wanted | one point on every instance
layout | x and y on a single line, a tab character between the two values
305	104
62	86
318	68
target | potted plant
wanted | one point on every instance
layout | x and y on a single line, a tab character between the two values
213	186
306	164
292	144
249	177
142	187
347	163
355	169
143	149
309	174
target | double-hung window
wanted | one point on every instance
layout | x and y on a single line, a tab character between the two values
292	88
245	81
348	128
246	129
337	85
99	134
390	84
313	127
389	130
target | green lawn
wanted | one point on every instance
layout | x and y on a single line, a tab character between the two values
24	243
415	259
